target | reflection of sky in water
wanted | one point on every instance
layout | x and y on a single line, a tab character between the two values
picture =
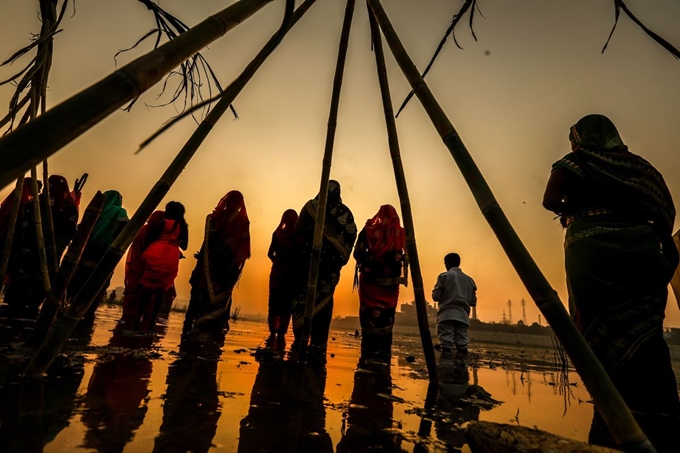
530	392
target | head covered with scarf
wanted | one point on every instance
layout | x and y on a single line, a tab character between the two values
229	222
339	220
60	195
286	229
601	155
384	233
112	216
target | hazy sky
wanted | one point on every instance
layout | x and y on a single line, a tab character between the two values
536	68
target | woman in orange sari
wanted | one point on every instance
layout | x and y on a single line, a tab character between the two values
225	249
379	254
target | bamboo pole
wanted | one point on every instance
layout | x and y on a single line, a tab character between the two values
7	250
53	301
51	241
325	177
607	399
40	239
48	14
404	200
59	126
101	274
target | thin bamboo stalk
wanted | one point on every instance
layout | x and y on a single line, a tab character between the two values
101	274
607	399
48	15
51	241
68	120
7	250
53	301
40	240
404	200
325	177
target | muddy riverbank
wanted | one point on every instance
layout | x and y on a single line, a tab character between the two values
136	394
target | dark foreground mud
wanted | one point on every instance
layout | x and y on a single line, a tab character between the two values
139	394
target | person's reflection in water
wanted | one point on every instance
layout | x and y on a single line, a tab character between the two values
368	419
454	389
458	402
115	403
113	407
286	410
192	409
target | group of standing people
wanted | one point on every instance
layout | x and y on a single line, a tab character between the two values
619	257
153	263
24	280
380	269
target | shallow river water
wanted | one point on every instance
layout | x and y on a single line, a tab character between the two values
112	396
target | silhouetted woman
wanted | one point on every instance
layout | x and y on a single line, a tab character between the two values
109	224
283	252
225	249
64	214
152	265
339	234
8	204
25	288
619	257
379	254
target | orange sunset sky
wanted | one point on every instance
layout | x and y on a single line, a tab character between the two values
535	69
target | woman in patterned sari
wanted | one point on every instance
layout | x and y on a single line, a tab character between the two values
339	234
225	249
379	254
619	257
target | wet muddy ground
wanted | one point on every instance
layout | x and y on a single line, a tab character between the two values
138	394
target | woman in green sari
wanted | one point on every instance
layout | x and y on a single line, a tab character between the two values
619	257
110	223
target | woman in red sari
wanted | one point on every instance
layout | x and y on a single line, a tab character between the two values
11	273
225	249
64	214
152	265
25	288
8	204
283	252
379	254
